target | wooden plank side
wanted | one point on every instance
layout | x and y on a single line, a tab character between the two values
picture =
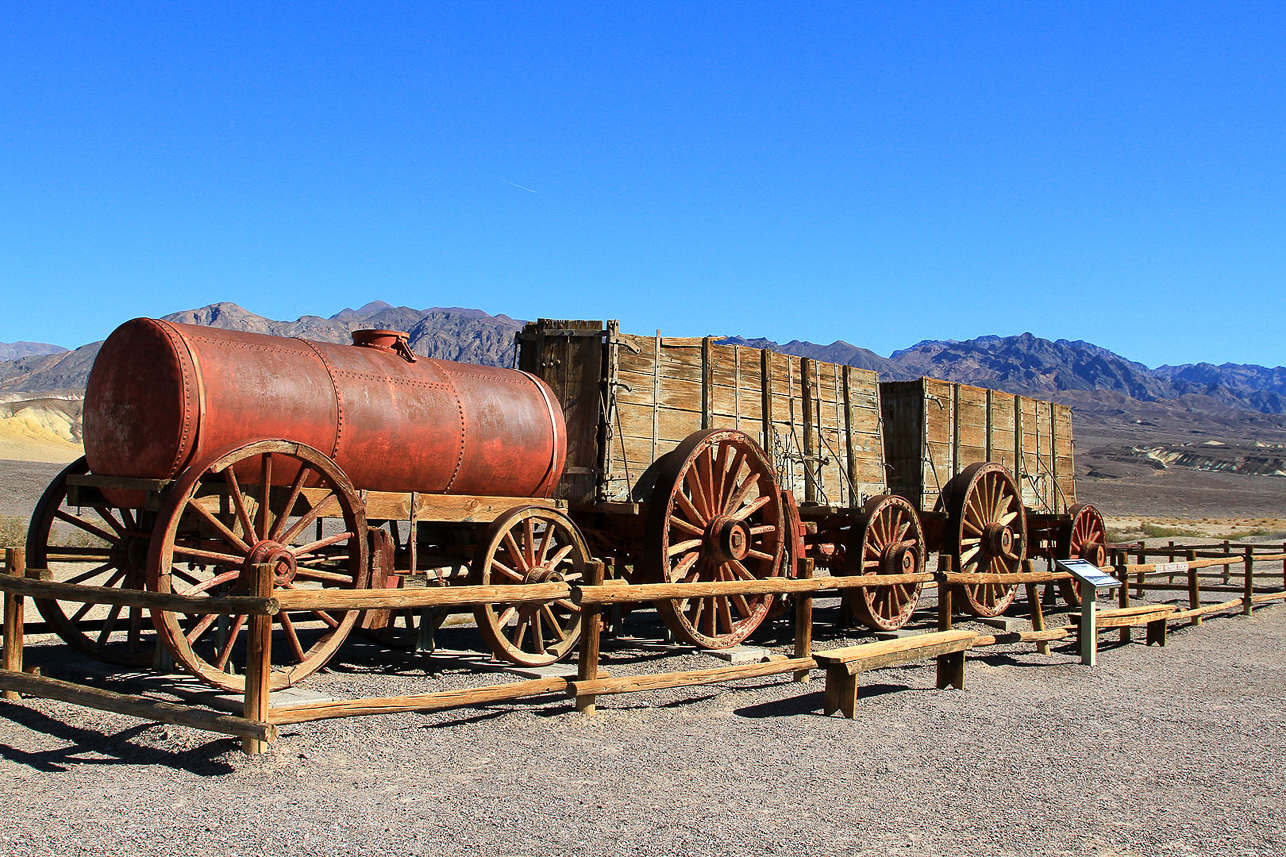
672	425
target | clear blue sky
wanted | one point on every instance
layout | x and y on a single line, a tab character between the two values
875	172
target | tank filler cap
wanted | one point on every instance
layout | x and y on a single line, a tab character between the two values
393	341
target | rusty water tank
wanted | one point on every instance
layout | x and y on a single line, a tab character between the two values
163	396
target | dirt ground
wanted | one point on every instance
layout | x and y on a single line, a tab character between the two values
1156	751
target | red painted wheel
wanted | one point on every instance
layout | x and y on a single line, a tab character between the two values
99	545
1084	537
987	534
716	514
530	544
888	540
271	501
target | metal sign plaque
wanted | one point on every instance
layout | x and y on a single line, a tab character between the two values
1087	572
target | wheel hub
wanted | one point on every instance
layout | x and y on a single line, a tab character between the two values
276	555
899	559
542	574
999	540
727	540
1095	553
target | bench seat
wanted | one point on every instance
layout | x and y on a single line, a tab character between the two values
843	666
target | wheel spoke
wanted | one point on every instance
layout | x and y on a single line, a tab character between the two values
321	543
221	662
86	526
684	564
210	556
516	553
309	573
239	502
291	637
740	496
676	521
499	566
227	534
93	572
296	487
683	547
546	540
265	493
317	511
529	542
109	624
750	509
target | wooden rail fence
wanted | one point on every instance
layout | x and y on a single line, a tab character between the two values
258	724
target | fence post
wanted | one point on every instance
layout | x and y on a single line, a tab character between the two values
1122	593
944	592
1138	590
804	621
1037	614
1248	590
1194	587
1227	569
590	639
14	606
1284	565
1170	578
259	658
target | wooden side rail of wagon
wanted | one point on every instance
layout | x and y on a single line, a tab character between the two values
845	666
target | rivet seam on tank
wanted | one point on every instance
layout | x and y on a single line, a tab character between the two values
464	426
181	350
553	452
399	381
339	398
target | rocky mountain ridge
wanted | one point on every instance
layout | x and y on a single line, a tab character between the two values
1074	371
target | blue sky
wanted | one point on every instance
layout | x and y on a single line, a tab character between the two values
880	173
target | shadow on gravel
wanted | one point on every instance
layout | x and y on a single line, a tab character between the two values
90	747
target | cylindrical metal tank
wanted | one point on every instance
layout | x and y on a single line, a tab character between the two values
163	396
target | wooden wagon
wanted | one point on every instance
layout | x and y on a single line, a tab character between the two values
989	469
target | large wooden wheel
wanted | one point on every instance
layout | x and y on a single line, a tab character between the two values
100	545
530	544
274	502
987	534
1083	537
888	539
716	514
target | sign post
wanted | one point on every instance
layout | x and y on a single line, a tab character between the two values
1092	579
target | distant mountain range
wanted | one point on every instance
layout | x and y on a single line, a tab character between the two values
1069	370
14	350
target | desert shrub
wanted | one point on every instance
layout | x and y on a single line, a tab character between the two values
1156	531
13	532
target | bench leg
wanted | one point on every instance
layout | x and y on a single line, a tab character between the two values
1157	631
951	669
841	691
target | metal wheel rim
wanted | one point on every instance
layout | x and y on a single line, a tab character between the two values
530	544
888	524
118	565
715	477
983	496
298	650
1086	529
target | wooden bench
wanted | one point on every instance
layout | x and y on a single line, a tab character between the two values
1155	616
844	665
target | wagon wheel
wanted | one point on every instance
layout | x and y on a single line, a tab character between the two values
215	526
987	533
530	544
1084	537
716	514
889	540
101	546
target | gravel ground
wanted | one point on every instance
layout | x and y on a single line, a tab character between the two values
1155	751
